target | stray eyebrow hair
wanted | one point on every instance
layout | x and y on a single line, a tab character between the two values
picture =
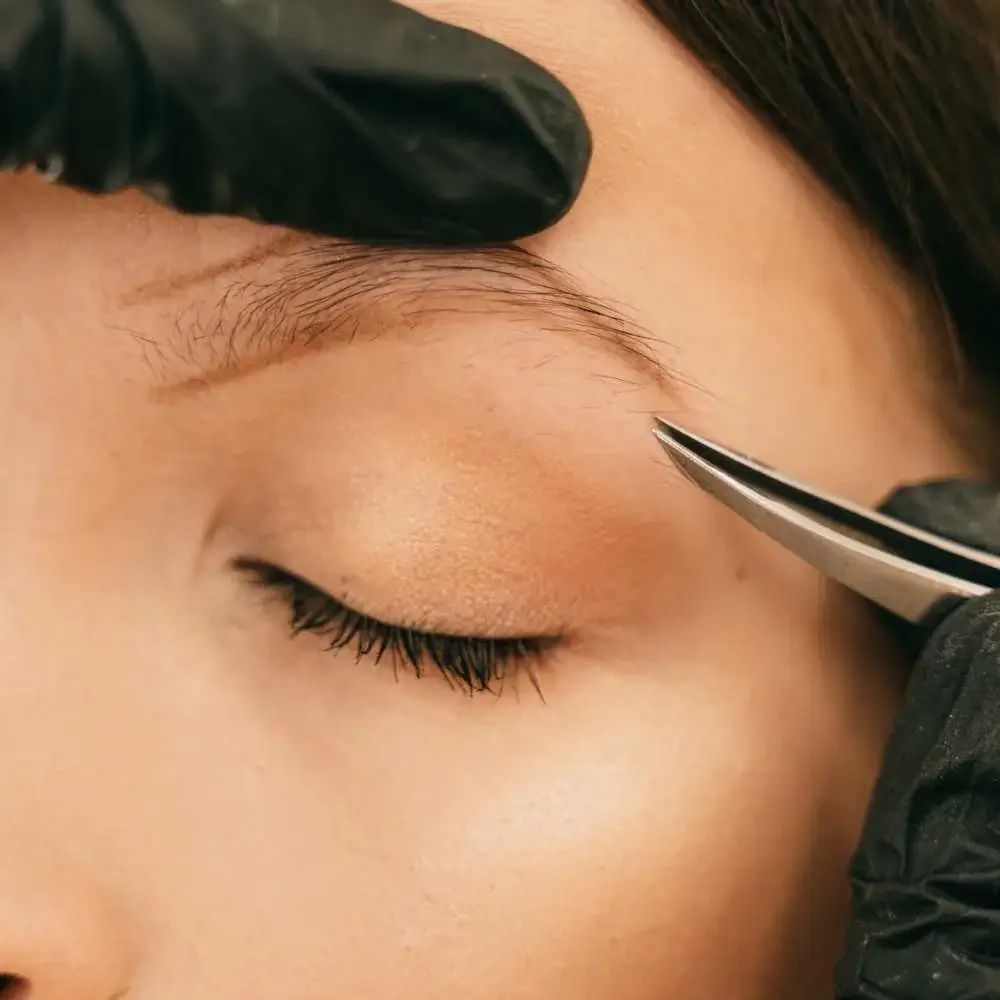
335	292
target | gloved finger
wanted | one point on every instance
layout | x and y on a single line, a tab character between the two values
960	509
926	877
359	118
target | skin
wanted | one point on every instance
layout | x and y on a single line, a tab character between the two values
192	804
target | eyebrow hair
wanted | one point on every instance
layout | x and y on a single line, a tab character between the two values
334	292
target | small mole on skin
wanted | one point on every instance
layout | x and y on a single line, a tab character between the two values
741	573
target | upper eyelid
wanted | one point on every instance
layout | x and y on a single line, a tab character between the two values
476	662
277	577
328	292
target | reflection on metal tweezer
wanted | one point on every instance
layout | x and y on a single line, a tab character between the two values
902	569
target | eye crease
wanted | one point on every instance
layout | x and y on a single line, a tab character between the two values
473	664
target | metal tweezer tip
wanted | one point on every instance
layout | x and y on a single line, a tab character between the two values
900	568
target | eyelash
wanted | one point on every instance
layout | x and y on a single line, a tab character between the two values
475	664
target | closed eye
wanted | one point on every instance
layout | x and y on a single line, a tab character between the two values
473	664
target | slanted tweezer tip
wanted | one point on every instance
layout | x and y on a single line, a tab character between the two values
662	426
901	568
683	446
667	429
667	433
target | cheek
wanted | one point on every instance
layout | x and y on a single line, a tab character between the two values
620	838
611	837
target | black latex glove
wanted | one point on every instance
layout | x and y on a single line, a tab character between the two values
926	878
353	118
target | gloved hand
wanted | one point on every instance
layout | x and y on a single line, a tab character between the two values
926	878
353	118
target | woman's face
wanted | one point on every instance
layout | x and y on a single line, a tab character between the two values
194	804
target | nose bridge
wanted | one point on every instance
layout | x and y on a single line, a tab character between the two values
63	935
76	552
62	930
77	430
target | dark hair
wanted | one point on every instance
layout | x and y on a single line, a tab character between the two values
895	104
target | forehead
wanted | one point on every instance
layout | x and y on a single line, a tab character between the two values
614	55
673	150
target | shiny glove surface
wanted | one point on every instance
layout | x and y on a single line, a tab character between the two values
352	118
926	877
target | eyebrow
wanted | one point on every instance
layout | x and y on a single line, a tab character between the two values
332	292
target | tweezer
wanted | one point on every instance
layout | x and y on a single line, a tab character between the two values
909	572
